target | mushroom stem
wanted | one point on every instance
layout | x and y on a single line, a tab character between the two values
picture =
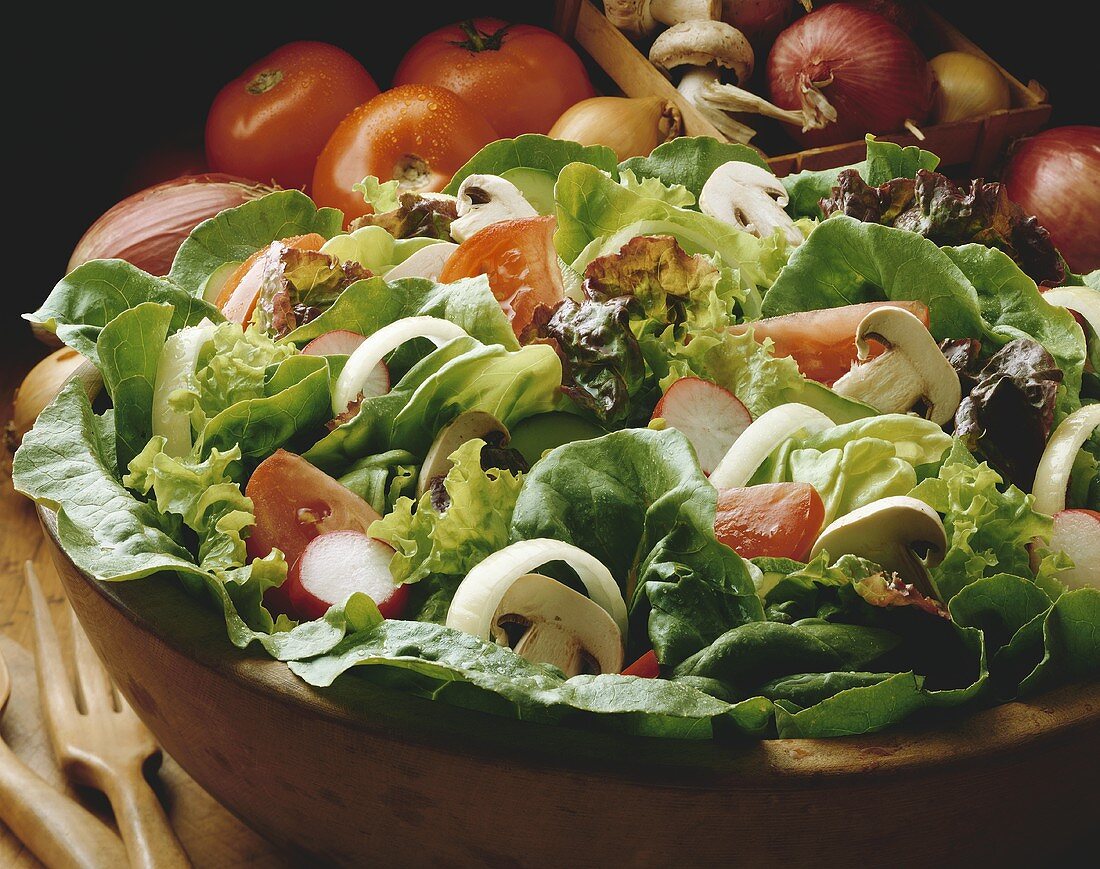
693	87
911	370
730	98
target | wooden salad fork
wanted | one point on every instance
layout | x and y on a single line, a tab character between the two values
56	829
99	741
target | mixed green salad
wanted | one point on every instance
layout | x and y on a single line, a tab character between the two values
672	446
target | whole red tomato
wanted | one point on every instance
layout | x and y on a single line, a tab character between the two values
520	77
272	121
418	134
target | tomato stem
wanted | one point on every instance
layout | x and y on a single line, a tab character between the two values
264	81
477	41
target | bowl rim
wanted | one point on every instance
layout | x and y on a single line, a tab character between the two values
970	737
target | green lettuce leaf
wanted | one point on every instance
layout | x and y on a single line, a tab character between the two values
473	526
885	161
538	154
129	352
459	376
638	502
597	216
92	295
988	530
373	248
66	463
367	306
654	188
435	662
689	161
854	464
237	233
380	196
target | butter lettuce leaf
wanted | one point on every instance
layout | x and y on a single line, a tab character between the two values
688	162
856	463
129	348
462	375
535	152
237	233
91	295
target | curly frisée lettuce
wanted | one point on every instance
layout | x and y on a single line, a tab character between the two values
773	647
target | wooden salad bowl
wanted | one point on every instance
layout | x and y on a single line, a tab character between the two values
361	774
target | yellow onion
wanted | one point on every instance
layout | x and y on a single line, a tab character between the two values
631	127
43	383
969	87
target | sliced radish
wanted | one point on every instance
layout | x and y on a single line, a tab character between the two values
360	366
1052	475
761	438
340	342
707	415
334	566
175	368
1077	534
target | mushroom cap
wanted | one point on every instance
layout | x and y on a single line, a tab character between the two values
561	627
465	427
701	43
885	532
903	332
750	175
484	200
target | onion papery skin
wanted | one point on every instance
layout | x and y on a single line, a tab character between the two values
1056	176
147	228
880	77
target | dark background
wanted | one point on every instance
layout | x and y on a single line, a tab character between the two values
93	94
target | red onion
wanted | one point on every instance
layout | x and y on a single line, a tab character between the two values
147	228
1056	176
855	64
899	12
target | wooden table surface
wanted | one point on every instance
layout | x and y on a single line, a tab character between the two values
212	837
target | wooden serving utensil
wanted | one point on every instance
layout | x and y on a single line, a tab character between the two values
102	743
57	830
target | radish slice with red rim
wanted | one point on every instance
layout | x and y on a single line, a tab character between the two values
761	438
707	415
360	366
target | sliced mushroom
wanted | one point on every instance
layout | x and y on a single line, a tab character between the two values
428	262
465	427
888	532
913	371
706	48
484	200
640	18
750	198
478	596
547	622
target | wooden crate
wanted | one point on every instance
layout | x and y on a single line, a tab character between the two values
971	147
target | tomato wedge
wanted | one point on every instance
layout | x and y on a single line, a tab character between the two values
823	342
646	666
519	258
776	520
237	299
294	502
